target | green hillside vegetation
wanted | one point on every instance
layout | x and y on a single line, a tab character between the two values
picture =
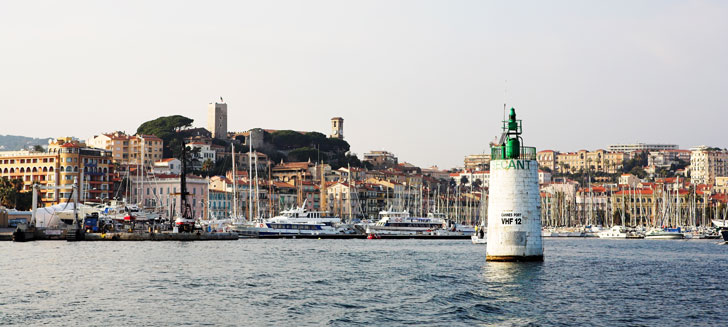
284	145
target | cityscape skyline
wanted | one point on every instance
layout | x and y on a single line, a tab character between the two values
425	82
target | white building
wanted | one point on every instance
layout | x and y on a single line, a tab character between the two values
483	176
169	166
206	153
342	199
629	179
706	164
381	159
640	147
544	177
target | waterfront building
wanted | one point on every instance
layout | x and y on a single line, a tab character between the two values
380	159
374	199
130	150
65	161
638	206
291	172
221	202
707	163
343	200
721	185
640	147
217	120
477	162
161	193
592	205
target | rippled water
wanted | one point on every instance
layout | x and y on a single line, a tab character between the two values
362	282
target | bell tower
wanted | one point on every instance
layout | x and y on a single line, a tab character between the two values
337	128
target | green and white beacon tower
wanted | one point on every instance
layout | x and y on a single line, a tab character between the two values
514	204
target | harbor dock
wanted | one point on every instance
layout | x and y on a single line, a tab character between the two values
364	236
164	236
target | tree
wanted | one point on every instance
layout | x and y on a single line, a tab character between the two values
38	148
463	180
477	183
208	166
167	128
638	171
304	154
10	191
288	140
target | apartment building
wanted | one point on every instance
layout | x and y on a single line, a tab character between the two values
706	164
66	161
130	150
595	161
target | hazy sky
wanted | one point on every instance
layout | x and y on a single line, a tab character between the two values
422	79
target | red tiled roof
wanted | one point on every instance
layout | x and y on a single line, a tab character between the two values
635	192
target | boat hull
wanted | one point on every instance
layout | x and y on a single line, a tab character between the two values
665	237
477	240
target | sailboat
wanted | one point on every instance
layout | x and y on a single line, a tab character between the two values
240	225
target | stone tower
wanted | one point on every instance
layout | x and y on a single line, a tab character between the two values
337	128
514	204
217	120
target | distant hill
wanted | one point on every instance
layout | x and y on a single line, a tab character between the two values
14	142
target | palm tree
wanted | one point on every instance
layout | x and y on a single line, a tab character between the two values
208	166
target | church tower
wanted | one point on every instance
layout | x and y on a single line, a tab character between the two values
337	128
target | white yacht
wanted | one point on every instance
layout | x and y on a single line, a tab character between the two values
401	223
614	232
296	221
664	234
720	223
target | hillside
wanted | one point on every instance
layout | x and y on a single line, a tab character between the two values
14	142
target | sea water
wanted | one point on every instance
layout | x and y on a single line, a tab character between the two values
362	282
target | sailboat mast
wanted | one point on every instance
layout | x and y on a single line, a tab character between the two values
270	192
250	175
235	187
257	190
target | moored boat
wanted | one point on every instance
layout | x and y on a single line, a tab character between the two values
614	232
664	234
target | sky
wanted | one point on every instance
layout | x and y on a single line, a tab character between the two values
425	80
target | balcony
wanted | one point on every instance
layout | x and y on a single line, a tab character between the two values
526	153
